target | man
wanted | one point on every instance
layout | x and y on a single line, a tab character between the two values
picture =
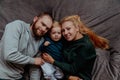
19	46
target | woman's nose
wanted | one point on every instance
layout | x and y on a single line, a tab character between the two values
65	32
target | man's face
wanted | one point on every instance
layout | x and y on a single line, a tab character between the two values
41	25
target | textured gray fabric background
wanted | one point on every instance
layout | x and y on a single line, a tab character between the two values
103	16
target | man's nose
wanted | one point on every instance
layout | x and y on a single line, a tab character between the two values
44	29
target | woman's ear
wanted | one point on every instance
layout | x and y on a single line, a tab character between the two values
35	19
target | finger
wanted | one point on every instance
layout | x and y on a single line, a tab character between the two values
42	62
45	54
44	57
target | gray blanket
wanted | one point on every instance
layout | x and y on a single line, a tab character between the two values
103	16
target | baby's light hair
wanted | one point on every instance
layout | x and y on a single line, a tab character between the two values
56	24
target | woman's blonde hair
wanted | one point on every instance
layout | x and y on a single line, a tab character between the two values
98	41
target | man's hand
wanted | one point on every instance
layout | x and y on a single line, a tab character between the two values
48	58
39	61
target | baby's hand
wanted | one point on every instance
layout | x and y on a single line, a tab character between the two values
46	43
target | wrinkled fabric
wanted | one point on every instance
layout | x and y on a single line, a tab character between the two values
103	16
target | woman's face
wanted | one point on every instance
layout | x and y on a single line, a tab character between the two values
69	31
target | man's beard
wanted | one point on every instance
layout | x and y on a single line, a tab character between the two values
34	30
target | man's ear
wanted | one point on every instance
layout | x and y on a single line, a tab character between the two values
35	19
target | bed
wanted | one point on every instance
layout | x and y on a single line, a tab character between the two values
102	16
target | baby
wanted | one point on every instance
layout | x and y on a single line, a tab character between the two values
53	46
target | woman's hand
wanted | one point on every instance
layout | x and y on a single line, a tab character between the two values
48	58
74	78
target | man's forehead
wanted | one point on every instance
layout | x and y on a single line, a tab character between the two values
46	20
46	16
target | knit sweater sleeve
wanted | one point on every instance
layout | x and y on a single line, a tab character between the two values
80	60
42	47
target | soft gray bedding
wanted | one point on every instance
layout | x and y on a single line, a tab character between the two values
103	16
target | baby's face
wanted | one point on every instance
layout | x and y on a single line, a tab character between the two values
55	33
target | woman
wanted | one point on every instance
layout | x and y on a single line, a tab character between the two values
79	49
